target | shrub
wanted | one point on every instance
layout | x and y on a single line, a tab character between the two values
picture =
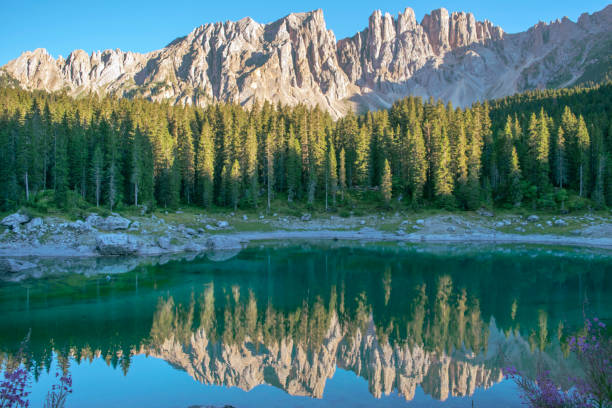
594	350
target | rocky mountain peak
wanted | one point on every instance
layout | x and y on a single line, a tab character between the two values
296	59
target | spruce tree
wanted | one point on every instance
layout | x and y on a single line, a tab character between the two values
250	165
60	168
205	165
294	167
235	176
270	167
442	174
331	174
583	144
342	174
416	171
97	172
385	183
560	159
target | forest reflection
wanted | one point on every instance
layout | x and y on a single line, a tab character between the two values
290	318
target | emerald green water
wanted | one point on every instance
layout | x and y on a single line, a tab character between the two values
309	325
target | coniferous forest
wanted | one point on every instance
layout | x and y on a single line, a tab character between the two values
543	149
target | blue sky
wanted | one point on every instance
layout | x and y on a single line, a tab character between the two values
63	25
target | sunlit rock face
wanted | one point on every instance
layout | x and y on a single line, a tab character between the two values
451	56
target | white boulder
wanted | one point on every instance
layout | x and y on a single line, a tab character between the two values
15	220
116	244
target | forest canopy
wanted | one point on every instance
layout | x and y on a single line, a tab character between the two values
542	149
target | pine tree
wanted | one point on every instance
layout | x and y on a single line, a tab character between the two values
362	152
60	168
235	176
442	174
416	171
342	174
560	169
205	165
514	179
186	160
294	167
538	151
459	164
97	172
583	144
270	166
331	174
473	187
385	183
250	165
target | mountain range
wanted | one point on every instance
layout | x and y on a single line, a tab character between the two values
448	56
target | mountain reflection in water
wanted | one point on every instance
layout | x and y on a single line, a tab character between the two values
288	317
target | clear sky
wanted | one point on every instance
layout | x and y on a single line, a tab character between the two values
63	25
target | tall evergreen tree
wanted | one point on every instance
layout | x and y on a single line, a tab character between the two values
294	167
583	144
97	172
385	183
250	165
205	165
342	174
235	176
331	174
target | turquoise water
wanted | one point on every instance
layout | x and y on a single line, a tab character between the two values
309	325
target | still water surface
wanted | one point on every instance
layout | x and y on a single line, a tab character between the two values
310	326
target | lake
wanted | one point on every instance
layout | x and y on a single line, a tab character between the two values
309	325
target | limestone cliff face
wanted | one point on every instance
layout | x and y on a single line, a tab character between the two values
298	60
303	370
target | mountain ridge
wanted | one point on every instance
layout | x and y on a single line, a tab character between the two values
297	59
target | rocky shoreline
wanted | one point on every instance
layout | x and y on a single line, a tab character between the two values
27	241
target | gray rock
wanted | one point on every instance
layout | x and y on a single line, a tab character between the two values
245	218
500	224
8	265
484	213
134	226
210	227
362	222
451	229
560	223
222	224
114	223
549	223
416	227
164	243
34	224
116	244
93	220
420	222
192	247
219	242
190	231
405	222
533	218
14	220
80	226
306	217
519	229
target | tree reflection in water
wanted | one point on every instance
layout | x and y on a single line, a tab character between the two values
288	317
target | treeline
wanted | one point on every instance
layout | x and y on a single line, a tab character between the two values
547	149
